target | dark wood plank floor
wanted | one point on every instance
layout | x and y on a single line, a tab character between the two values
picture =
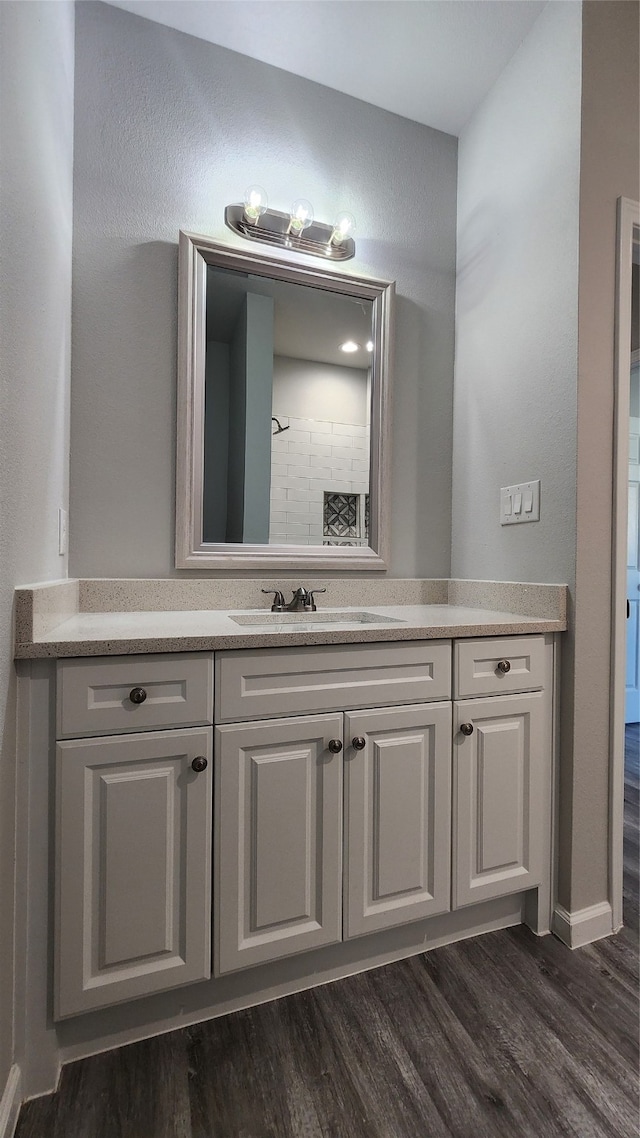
503	1036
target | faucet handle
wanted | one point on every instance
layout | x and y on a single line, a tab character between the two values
278	599
310	603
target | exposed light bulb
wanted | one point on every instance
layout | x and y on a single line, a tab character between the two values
255	204
301	216
349	346
344	226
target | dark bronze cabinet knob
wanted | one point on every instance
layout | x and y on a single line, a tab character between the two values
466	728
335	746
199	764
504	666
359	742
137	695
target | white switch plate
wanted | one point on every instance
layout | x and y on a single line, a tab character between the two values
62	532
520	503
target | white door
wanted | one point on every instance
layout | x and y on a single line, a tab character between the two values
632	688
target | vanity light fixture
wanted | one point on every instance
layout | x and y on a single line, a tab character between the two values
296	230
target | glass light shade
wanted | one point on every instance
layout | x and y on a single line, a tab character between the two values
301	216
344	226
255	204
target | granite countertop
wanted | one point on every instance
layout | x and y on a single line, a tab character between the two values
123	633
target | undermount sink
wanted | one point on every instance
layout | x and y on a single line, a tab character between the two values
278	619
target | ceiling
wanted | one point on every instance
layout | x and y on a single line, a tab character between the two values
309	323
429	60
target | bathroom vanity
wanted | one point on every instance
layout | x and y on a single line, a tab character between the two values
253	808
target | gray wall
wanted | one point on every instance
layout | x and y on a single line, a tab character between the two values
541	165
308	389
257	448
237	420
169	129
516	305
36	123
216	442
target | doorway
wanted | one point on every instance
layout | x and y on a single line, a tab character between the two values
632	679
625	623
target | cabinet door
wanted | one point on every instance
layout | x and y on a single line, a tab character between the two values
398	816
133	866
279	848
499	776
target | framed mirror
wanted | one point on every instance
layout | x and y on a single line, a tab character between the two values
282	413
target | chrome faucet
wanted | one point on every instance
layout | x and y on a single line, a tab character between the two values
301	601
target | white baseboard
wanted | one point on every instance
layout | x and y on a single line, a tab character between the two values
583	925
10	1103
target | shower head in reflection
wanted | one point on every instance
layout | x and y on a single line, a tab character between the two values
279	429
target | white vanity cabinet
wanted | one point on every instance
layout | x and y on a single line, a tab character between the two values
288	863
133	828
345	790
358	817
502	747
293	870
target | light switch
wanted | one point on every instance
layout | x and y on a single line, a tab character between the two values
520	503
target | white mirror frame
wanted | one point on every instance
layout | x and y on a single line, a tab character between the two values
194	255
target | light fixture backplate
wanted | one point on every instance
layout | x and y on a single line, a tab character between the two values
271	228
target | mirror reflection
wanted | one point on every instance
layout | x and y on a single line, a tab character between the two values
287	413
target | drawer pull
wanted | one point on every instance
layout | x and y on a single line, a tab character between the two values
466	728
199	764
137	695
504	666
359	742
335	746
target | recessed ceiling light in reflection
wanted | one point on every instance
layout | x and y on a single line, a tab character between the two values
349	346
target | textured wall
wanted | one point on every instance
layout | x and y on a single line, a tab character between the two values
516	329
36	124
168	130
541	166
515	397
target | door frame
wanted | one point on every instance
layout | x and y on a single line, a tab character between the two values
628	219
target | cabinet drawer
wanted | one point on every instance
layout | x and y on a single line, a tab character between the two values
265	683
95	696
478	668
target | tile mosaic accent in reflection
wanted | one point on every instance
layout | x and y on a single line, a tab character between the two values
345	518
340	515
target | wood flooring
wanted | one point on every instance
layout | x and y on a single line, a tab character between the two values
503	1036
